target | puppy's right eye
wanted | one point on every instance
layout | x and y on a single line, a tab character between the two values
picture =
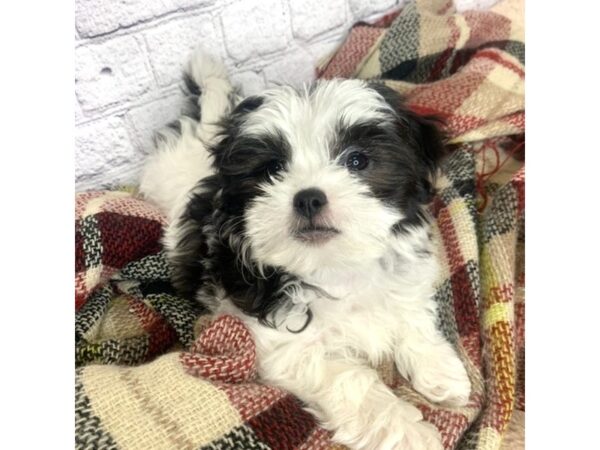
274	166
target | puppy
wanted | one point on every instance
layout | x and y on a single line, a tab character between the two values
303	213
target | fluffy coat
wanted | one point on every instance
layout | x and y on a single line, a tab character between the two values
327	293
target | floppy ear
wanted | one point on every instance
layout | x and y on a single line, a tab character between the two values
230	127
429	141
424	132
429	137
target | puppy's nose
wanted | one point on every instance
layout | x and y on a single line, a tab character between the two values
308	202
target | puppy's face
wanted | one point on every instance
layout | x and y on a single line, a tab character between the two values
324	178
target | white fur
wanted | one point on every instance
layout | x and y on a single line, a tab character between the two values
381	310
379	301
180	161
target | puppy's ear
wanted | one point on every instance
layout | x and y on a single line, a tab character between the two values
424	134
429	138
429	142
230	127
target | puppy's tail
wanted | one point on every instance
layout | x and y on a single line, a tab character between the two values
209	90
181	158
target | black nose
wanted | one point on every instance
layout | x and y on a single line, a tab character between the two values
308	202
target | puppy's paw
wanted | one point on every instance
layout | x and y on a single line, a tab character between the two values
421	435
398	426
442	377
415	436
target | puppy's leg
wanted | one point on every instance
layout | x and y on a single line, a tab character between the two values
349	398
181	158
423	355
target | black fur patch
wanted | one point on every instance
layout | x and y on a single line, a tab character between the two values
208	255
403	157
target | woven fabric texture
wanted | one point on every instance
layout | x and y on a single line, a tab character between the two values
155	372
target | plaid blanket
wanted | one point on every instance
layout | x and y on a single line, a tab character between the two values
155	372
467	69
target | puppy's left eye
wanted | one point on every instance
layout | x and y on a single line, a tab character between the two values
357	161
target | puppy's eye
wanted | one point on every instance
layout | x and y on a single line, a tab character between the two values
357	161
274	166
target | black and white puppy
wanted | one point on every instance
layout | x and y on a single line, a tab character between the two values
303	213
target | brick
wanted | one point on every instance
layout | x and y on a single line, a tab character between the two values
313	17
113	72
361	9
170	44
255	28
295	69
250	82
103	147
149	118
79	116
96	17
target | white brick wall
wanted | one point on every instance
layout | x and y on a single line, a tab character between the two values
129	55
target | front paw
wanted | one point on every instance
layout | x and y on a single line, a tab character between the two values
442	377
398	426
417	436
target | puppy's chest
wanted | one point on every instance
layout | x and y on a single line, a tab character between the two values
353	306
